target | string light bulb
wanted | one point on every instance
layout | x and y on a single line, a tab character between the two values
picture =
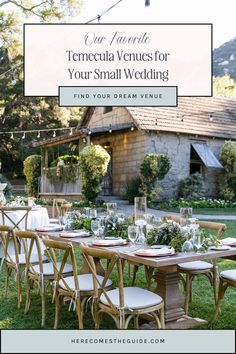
71	131
110	130
84	140
89	132
38	135
23	136
211	116
132	128
12	136
54	134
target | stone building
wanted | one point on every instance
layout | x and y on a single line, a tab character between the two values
192	135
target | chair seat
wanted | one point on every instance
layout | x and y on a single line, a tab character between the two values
194	266
229	274
48	268
134	298
34	258
85	282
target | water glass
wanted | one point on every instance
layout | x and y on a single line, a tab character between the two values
87	211
111	208
198	241
140	207
95	226
132	233
93	213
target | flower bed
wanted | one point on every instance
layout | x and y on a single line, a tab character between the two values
197	204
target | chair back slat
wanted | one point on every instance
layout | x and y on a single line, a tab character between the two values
31	241
90	253
7	235
68	256
16	224
60	207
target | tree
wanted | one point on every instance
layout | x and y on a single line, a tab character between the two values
45	10
224	85
16	111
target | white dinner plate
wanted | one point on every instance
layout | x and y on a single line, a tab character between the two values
219	248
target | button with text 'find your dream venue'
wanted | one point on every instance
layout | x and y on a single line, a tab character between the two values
158	96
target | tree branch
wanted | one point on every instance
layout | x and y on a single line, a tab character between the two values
4	2
29	9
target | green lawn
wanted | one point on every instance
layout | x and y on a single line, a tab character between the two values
202	305
206	211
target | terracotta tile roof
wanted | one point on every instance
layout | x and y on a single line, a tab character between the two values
206	116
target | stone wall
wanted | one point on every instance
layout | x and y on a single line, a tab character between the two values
118	115
178	149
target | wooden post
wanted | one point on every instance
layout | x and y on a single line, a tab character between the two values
44	166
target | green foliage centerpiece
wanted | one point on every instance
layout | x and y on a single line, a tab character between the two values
172	234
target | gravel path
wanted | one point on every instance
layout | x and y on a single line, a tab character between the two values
127	209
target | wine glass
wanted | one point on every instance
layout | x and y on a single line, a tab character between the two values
132	233
95	226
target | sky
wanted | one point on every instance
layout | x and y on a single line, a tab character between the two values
220	13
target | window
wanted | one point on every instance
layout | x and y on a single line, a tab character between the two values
107	109
195	162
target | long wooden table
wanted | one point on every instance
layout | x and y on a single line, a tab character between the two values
167	277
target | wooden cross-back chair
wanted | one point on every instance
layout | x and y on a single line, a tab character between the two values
59	207
192	269
37	268
16	224
78	288
227	279
13	260
122	303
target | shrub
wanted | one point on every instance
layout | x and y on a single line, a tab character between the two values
32	170
228	156
132	187
197	204
93	163
192	187
154	167
227	183
8	189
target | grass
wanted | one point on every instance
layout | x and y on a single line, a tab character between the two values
202	305
206	211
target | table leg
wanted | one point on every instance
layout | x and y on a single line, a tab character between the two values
168	289
85	268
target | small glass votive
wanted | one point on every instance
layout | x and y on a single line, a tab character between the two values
186	216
